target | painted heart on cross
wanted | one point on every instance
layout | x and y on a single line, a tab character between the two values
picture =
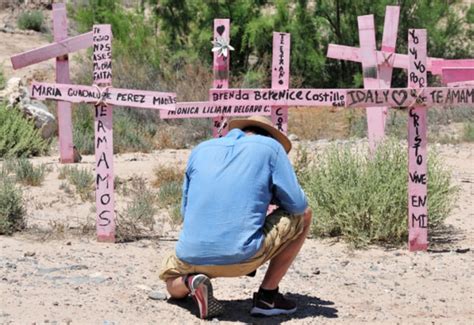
220	29
399	97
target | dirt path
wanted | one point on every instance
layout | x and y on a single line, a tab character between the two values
79	281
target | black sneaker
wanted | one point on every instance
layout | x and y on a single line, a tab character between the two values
201	291
279	306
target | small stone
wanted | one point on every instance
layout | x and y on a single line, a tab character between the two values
68	243
29	254
293	137
344	263
55	303
157	295
316	271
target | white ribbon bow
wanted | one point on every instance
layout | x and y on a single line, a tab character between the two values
222	46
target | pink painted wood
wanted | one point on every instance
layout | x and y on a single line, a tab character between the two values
417	145
375	115
208	109
104	97
394	97
109	95
66	147
439	65
221	69
281	77
462	96
105	202
457	75
281	97
389	43
51	51
349	53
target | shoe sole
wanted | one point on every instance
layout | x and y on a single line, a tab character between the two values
202	294
255	311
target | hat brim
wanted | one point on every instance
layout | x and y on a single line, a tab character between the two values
277	135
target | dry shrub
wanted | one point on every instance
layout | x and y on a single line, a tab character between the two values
165	174
81	178
363	198
313	123
138	219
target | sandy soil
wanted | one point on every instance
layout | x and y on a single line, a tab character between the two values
75	280
79	281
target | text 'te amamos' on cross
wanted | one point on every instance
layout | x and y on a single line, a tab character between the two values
103	96
60	49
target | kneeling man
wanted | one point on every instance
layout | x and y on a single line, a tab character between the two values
229	185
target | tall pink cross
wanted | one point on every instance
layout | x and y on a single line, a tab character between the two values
417	98
103	96
59	50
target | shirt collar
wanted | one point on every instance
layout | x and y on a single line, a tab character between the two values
235	134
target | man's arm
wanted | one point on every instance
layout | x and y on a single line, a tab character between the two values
286	189
184	197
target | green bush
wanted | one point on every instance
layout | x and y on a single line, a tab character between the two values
26	173
468	132
138	219
18	136
81	178
3	81
32	20
12	209
364	199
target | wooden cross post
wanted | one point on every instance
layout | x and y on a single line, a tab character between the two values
64	113
417	98
59	50
417	141
281	76
221	64
103	96
376	76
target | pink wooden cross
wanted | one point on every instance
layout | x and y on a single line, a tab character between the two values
375	75
221	68
103	96
280	76
417	98
59	50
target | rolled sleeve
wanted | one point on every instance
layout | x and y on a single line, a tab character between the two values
287	192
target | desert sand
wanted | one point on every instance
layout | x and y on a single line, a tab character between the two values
76	280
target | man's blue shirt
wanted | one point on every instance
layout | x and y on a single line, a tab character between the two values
227	189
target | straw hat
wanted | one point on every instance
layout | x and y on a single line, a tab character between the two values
265	124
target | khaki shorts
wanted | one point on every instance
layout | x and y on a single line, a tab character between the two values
280	229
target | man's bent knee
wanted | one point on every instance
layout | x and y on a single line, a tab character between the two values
308	217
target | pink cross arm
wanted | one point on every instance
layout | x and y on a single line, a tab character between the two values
280	97
209	109
53	50
393	97
457	75
407	97
439	65
349	53
113	96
